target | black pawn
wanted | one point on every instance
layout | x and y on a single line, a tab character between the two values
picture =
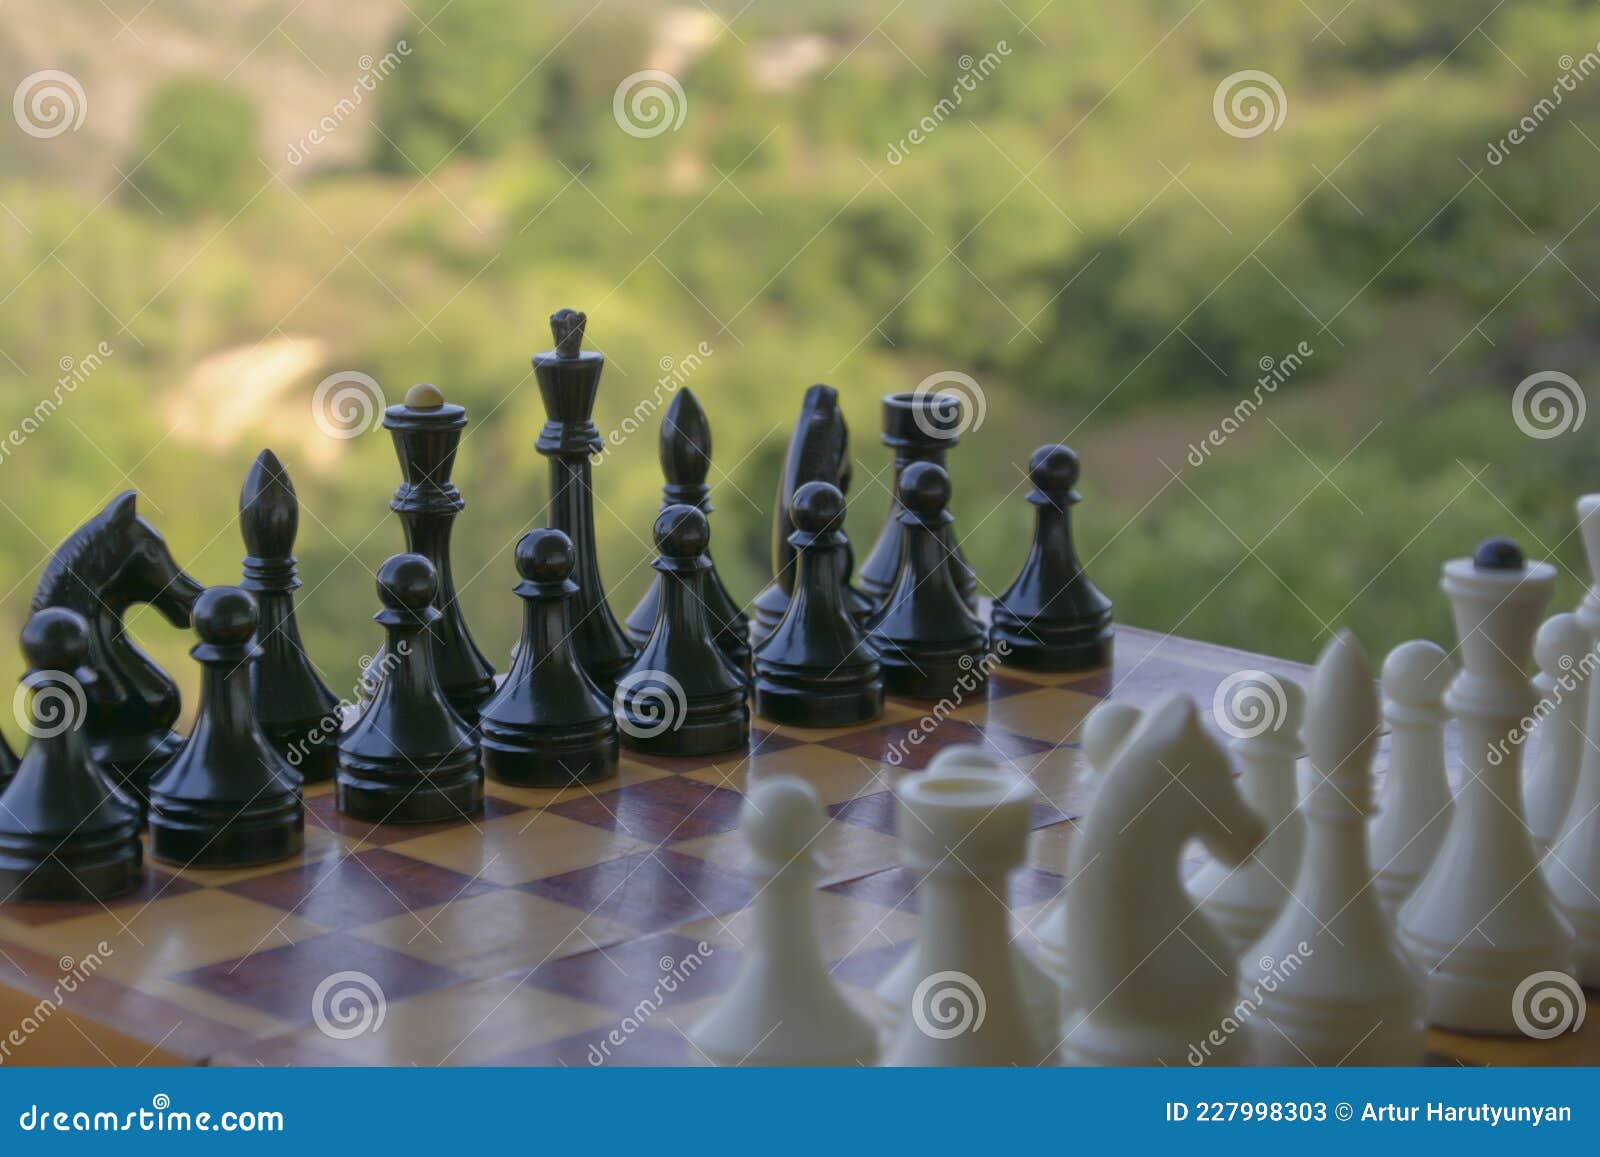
682	696
227	799
817	668
548	725
1052	618
409	759
685	462
297	712
65	832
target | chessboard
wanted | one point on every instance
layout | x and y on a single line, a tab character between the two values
584	926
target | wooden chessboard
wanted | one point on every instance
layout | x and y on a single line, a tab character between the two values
562	922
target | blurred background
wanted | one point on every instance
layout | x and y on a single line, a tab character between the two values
1311	287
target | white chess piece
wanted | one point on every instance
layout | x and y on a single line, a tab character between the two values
783	1008
1263	715
1328	984
1573	866
962	835
1414	804
1104	730
1558	750
1039	992
1150	974
1483	919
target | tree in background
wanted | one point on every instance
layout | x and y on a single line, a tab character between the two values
197	149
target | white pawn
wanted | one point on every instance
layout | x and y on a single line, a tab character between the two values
1263	715
783	1008
1104	731
1483	919
962	835
1553	769
1150	974
1414	803
1331	985
1039	991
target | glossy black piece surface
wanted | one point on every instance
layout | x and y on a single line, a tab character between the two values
8	760
297	712
112	562
930	644
548	725
65	832
685	462
816	668
1498	554
409	758
1052	618
227	799
569	378
682	696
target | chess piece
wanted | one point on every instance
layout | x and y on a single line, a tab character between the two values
1150	974
227	799
65	832
409	758
1558	648
927	640
548	725
110	563
1041	998
860	606
426	431
817	453
1414	805
816	668
685	461
297	712
569	377
1105	729
1265	741
1351	997
783	1007
1573	866
8	761
918	427
1483	918
1052	618
962	835
682	696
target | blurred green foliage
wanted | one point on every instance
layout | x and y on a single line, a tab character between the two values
199	141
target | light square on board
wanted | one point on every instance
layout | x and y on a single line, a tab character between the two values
523	847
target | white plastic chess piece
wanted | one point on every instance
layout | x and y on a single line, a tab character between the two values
1483	919
1328	984
783	1008
1414	805
1104	730
1150	974
1573	867
1558	648
1039	992
962	835
1263	716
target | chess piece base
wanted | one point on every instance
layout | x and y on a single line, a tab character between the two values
218	837
700	732
1337	1034
814	702
1094	1041
42	869
308	747
1471	992
452	790
526	759
932	674
1040	648
132	762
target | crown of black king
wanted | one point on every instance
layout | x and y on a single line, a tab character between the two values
569	379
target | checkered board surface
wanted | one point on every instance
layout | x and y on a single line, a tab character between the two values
532	933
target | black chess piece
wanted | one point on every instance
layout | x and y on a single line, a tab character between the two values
682	696
426	431
817	669
227	799
66	833
8	760
818	452
110	563
569	377
548	725
918	427
297	712
685	461
1052	618
409	758
927	639
860	604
